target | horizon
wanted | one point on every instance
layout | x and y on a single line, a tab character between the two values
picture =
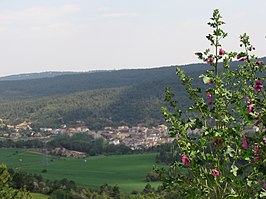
105	70
87	36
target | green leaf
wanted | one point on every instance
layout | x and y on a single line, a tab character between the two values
234	169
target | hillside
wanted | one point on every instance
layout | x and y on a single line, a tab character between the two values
26	76
104	98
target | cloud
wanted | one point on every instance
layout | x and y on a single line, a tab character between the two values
39	14
120	14
103	9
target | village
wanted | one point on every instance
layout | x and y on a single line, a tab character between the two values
136	137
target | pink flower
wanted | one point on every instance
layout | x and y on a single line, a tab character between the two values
256	150
209	95
210	103
221	51
210	60
256	159
210	83
264	139
258	87
244	143
215	172
259	63
250	108
186	161
248	99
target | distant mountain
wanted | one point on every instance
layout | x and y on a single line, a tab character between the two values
103	98
40	75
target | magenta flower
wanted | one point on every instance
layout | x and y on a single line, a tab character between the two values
210	60
244	143
209	95
215	172
186	161
256	150
256	159
221	51
259	63
210	103
210	83
250	108
258	87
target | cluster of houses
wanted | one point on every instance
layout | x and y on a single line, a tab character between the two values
136	137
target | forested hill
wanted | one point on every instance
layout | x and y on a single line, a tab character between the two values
66	84
104	98
34	75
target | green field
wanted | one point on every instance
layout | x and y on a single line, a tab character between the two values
39	196
127	171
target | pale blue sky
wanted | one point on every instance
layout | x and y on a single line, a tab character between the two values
84	35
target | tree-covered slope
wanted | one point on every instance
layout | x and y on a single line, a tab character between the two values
107	98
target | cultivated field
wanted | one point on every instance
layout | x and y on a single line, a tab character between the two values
127	171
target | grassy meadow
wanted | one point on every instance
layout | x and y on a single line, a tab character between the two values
127	171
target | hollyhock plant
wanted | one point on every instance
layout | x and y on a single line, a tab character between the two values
227	146
186	161
258	87
244	143
215	172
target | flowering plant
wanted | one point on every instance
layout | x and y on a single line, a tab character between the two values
227	158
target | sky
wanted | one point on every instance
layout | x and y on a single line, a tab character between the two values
85	35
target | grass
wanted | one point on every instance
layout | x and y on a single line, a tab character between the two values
127	171
39	196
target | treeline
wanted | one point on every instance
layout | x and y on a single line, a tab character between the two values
81	142
16	179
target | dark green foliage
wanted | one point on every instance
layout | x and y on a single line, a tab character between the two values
83	142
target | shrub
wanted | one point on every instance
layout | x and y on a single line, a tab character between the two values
227	158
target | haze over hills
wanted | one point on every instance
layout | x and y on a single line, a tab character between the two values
102	98
26	76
